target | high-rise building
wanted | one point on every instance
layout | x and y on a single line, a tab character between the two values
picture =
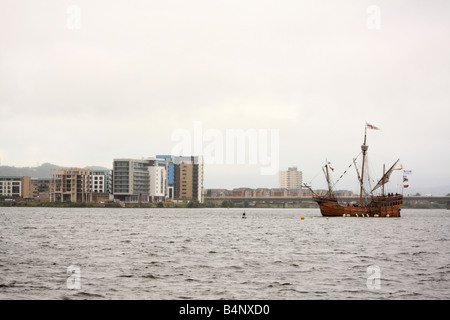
290	179
157	183
71	185
167	162
131	180
155	179
188	178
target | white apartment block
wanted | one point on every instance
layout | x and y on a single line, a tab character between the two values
157	182
290	179
10	187
101	181
98	183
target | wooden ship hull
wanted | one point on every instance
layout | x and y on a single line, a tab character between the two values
378	207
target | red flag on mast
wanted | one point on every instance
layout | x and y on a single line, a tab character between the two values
329	164
372	127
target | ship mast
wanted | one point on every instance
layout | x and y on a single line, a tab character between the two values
364	148
327	175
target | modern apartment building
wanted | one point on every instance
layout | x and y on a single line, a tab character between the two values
131	180
290	179
157	183
101	181
156	179
139	180
15	187
188	178
25	188
167	162
40	189
71	185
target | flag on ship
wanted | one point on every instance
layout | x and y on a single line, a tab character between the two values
329	166
371	127
406	173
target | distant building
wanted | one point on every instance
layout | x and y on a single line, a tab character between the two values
274	192
15	187
262	192
155	179
101	181
278	192
294	192
131	181
290	179
157	183
167	161
188	178
256	193
218	193
27	192
40	189
25	188
343	193
242	192
71	185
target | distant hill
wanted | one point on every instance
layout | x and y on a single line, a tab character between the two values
42	172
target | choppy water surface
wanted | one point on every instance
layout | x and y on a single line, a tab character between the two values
215	254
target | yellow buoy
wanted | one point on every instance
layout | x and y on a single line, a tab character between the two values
302	217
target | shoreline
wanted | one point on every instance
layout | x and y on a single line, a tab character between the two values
160	205
136	205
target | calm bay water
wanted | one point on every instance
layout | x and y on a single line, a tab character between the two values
215	254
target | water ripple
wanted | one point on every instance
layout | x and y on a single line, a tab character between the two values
214	254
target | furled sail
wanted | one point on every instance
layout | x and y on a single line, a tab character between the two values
386	176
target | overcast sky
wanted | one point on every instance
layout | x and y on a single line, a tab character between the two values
84	82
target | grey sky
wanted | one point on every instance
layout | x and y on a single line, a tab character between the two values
136	71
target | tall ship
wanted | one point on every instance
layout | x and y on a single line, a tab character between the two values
369	205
